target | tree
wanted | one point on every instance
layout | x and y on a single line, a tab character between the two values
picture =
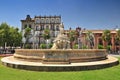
106	37
2	37
15	36
27	35
117	38
46	36
90	38
72	38
5	37
9	35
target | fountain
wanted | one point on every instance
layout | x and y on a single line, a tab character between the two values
60	57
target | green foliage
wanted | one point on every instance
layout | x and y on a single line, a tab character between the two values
46	34
50	45
9	35
27	32
108	47
90	38
112	73
28	46
117	37
106	35
72	39
43	46
84	47
89	35
100	47
75	46
72	36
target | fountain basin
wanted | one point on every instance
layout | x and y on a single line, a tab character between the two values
59	60
60	56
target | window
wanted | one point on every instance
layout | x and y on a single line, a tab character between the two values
52	20
47	27
42	20
37	21
30	26
36	28
57	28
42	27
52	27
47	21
25	26
58	21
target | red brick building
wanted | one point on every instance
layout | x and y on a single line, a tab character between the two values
114	47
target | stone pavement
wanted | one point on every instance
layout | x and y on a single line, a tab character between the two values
115	55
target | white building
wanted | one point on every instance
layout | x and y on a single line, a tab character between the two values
38	24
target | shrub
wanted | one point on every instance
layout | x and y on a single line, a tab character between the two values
50	45
75	46
84	47
28	46
100	47
108	47
43	46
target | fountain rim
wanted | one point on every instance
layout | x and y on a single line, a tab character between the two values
64	49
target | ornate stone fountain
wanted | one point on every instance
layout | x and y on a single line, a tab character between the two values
60	57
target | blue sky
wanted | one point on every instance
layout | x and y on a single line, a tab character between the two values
89	14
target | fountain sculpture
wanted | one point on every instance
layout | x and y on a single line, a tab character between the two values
60	57
62	41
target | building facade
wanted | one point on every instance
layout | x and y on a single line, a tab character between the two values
98	40
39	24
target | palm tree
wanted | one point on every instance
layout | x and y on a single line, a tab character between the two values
90	38
72	38
106	37
117	38
46	36
27	34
